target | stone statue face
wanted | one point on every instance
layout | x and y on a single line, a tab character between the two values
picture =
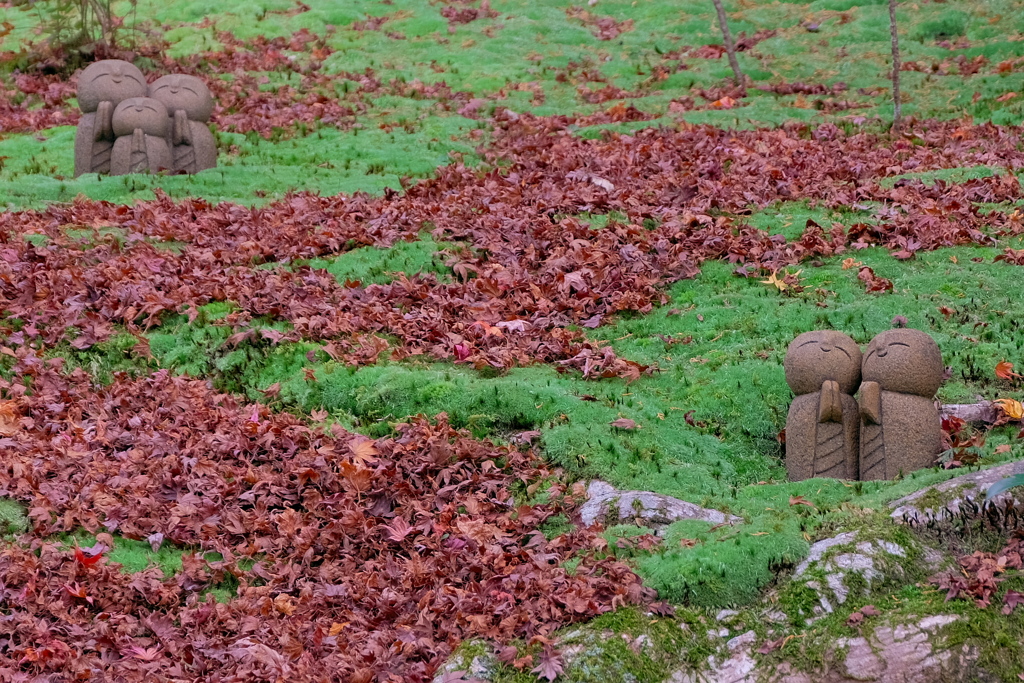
904	360
141	112
820	355
178	91
110	80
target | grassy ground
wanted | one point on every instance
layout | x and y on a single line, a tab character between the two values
540	57
710	418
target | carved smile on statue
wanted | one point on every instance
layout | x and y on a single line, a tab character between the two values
819	355
144	113
904	360
182	92
110	80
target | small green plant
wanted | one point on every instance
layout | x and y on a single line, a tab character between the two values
79	31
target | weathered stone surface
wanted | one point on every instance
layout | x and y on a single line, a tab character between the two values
900	430
892	653
983	411
189	104
822	428
101	87
140	124
608	506
833	560
957	496
476	660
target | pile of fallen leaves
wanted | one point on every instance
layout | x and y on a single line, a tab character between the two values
531	271
981	573
354	559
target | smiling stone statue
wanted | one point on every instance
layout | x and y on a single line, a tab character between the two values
823	370
190	106
140	124
101	87
901	430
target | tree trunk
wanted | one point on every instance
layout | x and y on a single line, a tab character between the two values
897	113
730	49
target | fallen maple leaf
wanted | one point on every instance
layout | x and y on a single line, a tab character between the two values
1012	408
8	418
1006	96
800	500
1004	370
89	556
1011	600
462	352
775	281
624	423
77	591
284	604
550	665
363	450
663	609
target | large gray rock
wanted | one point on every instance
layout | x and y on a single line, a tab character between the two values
957	496
609	506
891	653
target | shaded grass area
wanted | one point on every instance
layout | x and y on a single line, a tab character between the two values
708	421
543	57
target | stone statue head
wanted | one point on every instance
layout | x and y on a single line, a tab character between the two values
141	112
111	80
179	91
905	361
820	355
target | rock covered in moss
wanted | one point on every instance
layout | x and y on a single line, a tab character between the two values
474	659
836	566
913	652
960	496
608	506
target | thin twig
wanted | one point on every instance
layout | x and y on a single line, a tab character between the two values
897	114
730	49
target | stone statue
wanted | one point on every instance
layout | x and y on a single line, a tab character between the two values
190	104
901	430
101	87
140	124
822	430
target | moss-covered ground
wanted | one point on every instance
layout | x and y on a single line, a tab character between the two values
541	57
710	419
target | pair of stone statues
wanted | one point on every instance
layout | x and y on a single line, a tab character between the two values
893	427
129	126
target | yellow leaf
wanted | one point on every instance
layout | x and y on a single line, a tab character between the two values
774	280
850	263
337	628
284	604
1013	409
9	418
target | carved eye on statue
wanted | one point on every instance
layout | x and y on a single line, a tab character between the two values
904	360
110	80
182	92
819	356
145	113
